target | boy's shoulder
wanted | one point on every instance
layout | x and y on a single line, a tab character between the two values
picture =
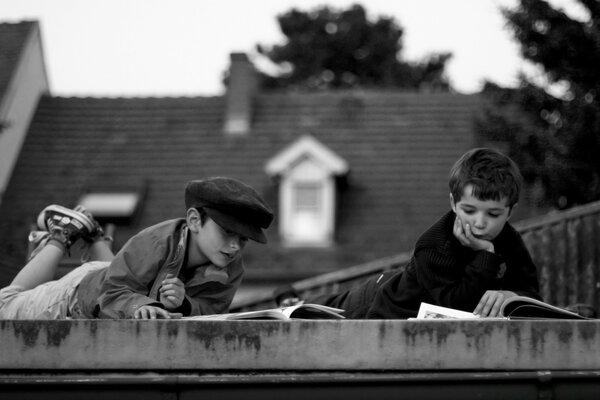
155	239
439	235
509	234
167	226
161	231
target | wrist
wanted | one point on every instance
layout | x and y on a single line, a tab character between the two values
170	306
490	249
186	307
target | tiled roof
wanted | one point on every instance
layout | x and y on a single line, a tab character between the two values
399	147
12	42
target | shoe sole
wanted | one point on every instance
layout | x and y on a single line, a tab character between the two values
74	215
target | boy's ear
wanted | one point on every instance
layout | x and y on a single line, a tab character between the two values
452	203
510	210
193	219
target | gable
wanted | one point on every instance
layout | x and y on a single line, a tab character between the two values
306	146
12	43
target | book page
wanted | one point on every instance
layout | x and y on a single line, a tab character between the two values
430	311
312	311
299	311
528	308
260	314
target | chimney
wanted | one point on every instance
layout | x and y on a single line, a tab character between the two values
240	91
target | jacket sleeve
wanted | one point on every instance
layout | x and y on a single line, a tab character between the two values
213	297
453	285
129	277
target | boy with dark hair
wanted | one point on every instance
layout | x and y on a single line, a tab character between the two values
185	266
471	259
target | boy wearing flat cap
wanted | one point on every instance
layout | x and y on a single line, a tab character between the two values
185	266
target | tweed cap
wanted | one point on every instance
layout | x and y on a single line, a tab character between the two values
233	205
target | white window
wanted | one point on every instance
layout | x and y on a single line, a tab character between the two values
110	205
307	216
307	192
307	212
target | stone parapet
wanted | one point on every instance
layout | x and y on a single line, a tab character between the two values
349	345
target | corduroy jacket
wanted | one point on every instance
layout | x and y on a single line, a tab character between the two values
134	277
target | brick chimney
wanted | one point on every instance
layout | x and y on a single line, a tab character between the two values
240	91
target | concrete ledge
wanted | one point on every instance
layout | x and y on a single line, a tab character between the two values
380	385
299	345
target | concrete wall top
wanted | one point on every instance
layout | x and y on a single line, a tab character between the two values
299	345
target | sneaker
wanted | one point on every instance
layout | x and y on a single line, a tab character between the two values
65	225
585	310
97	232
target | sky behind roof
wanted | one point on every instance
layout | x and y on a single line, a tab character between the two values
181	47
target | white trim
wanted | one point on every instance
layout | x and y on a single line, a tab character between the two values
306	144
307	163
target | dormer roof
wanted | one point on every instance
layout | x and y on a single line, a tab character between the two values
306	146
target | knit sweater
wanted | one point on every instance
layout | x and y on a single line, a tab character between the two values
445	273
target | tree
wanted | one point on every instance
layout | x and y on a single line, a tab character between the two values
329	49
554	136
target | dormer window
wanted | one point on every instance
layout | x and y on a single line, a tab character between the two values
112	204
307	192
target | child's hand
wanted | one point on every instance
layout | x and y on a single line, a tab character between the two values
491	301
466	238
153	312
172	292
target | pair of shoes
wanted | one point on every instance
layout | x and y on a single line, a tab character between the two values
65	226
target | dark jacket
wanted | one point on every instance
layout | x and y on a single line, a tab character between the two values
445	273
134	277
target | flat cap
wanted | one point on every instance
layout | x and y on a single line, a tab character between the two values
233	205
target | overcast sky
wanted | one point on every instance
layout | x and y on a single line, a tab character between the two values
182	47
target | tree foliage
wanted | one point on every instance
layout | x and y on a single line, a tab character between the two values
330	49
555	138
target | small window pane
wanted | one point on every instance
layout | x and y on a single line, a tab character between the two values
307	196
110	204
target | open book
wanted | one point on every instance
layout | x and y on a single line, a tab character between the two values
517	307
521	307
299	311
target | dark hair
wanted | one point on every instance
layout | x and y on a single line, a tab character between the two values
492	175
203	214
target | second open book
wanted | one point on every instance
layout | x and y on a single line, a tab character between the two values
299	311
517	307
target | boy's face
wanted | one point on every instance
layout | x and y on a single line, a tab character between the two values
486	218
210	242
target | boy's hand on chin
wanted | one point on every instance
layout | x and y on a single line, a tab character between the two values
465	236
